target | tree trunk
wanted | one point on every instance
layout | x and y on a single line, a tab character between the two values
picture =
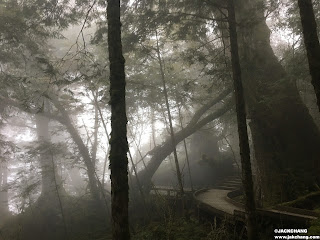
283	132
50	177
47	170
311	42
95	132
173	141
108	138
52	187
153	130
185	149
66	121
242	127
118	141
4	201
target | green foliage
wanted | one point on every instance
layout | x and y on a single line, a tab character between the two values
314	229
310	201
181	229
166	222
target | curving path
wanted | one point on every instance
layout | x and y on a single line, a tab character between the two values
216	201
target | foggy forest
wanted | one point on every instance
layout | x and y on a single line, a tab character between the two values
159	119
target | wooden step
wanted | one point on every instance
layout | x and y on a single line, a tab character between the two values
222	187
234	181
231	184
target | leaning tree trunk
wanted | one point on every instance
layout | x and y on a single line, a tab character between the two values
242	127
284	134
160	152
67	122
118	141
311	42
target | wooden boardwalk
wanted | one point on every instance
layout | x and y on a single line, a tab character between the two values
218	200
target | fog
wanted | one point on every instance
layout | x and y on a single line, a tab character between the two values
182	118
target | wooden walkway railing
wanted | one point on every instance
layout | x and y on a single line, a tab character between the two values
218	200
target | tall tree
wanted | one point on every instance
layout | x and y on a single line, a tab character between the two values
281	146
165	92
47	170
84	151
52	188
311	41
242	126
118	141
4	205
51	182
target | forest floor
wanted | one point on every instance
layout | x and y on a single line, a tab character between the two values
167	221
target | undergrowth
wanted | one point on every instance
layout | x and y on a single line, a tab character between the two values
182	229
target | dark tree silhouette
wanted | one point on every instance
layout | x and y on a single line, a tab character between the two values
311	41
242	126
118	141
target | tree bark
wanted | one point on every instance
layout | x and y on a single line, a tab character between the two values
311	42
118	140
283	148
242	127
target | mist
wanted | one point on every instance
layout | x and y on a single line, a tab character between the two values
159	119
